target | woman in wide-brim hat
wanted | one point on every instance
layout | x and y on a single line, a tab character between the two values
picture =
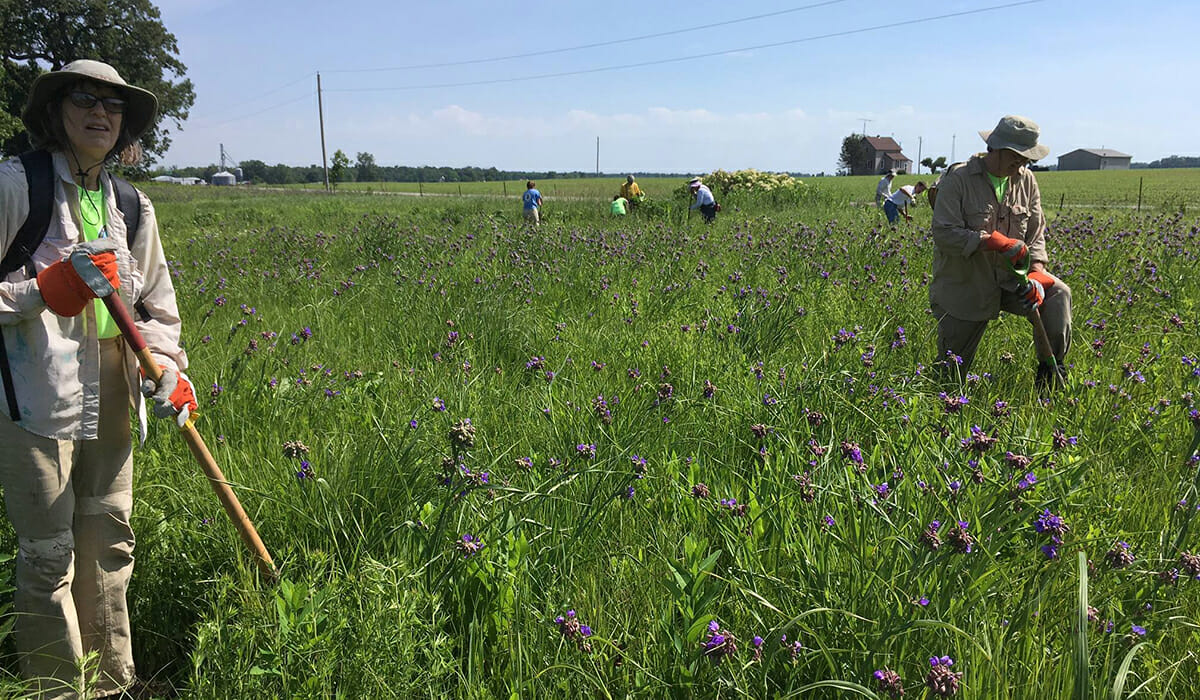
69	380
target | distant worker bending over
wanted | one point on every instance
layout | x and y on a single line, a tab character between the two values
897	202
988	226
704	200
619	206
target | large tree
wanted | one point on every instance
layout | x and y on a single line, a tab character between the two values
39	35
855	156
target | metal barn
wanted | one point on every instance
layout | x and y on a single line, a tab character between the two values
1094	159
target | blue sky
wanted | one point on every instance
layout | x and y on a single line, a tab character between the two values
1118	75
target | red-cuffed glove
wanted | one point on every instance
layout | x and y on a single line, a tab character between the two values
1032	294
172	395
64	291
1046	280
1011	248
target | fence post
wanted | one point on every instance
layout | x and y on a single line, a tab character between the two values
504	184
1139	195
1062	198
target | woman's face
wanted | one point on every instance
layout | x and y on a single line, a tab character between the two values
92	130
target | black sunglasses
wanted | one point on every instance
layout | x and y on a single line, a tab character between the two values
86	100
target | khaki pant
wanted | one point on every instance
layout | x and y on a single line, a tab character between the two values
532	216
962	337
70	502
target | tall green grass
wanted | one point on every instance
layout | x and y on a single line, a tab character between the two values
409	300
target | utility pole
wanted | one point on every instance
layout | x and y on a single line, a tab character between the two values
920	142
597	156
952	139
321	115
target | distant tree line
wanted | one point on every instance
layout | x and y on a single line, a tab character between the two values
1170	162
365	169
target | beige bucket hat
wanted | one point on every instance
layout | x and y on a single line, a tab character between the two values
139	113
1016	134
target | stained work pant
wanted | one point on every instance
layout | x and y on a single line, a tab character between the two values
962	337
70	502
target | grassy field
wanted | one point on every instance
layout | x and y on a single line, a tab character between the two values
644	457
1169	189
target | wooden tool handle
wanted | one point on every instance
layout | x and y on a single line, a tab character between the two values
229	500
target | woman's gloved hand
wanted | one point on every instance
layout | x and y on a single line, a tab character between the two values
172	395
64	291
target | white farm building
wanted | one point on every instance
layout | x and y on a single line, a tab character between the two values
1094	159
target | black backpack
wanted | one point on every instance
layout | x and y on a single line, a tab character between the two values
39	174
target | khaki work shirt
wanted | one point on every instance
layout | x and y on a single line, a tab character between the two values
966	279
55	361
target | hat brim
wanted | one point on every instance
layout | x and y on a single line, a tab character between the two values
1036	152
138	117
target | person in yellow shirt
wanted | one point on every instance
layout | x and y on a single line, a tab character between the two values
631	193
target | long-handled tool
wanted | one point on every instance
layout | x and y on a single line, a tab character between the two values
98	283
1041	340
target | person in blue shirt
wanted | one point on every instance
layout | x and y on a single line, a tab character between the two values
531	201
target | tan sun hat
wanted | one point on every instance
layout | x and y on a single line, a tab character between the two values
1016	134
139	113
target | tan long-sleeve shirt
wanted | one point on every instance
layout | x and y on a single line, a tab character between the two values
55	361
966	279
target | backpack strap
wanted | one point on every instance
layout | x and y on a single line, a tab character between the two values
39	174
130	205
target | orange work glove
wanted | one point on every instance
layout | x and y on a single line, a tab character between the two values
1032	293
1046	280
64	291
1011	248
172	395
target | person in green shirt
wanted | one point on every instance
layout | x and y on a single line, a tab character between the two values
620	206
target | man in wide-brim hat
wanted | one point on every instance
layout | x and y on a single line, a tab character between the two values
68	380
987	227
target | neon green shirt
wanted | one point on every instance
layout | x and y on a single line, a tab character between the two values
1000	184
618	206
92	204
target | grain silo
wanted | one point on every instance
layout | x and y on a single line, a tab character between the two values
224	178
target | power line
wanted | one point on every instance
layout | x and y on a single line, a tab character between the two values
253	114
259	96
476	61
692	57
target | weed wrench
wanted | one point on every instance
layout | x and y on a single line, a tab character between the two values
1041	341
100	285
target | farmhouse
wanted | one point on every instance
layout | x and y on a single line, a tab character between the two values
883	154
1094	159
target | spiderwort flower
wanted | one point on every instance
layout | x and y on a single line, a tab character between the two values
574	631
719	645
469	545
1119	556
586	450
941	680
889	682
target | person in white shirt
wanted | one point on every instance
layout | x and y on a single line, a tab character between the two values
704	200
896	205
884	189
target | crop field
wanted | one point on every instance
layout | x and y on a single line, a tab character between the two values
644	457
